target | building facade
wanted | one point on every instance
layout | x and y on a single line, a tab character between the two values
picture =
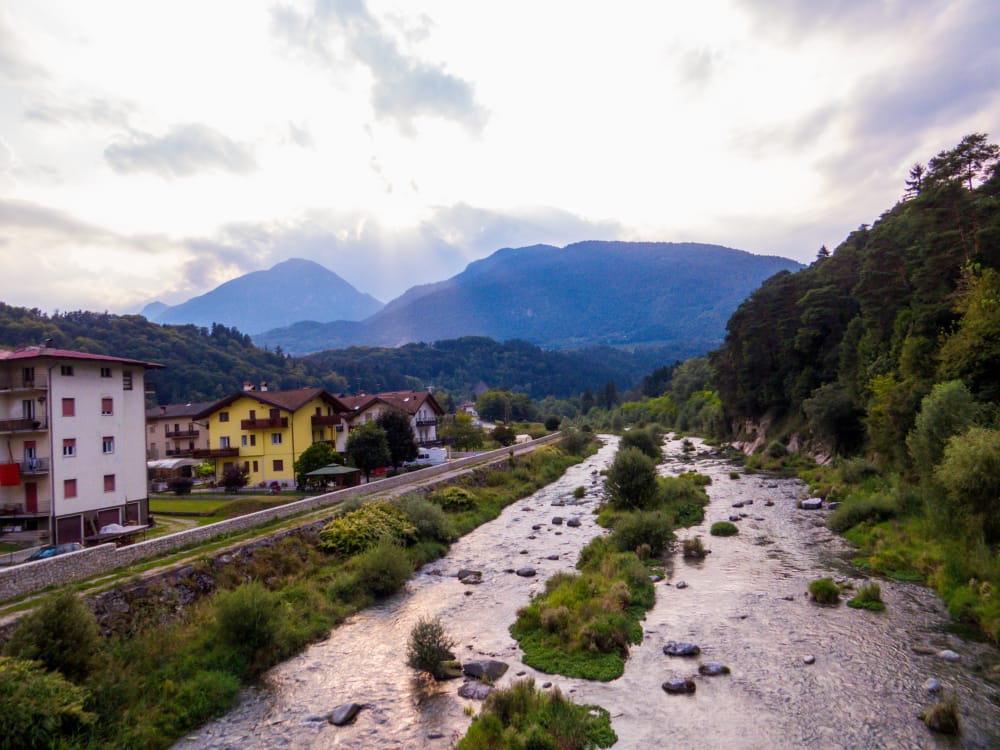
421	406
177	430
74	453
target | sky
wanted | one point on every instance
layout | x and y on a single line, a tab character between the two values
153	150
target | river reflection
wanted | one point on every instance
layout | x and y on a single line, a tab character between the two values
744	605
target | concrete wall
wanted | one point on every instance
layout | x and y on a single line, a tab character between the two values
29	577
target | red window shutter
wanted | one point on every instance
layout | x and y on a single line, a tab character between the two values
10	475
69	407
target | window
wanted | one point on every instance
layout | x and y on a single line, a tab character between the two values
69	407
255	467
69	488
224	441
107	407
66	370
279	465
69	447
152	429
243	440
105	372
28	375
253	414
127	380
253	440
275	438
223	416
109	482
108	444
275	413
27	408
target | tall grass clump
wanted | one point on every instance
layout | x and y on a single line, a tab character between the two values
522	717
824	591
869	597
861	507
723	528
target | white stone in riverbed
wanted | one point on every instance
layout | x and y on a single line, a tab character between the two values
948	655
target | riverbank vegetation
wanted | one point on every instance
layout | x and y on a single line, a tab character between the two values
160	674
583	623
522	716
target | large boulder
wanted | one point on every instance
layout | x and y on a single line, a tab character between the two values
485	669
344	714
813	503
475	690
713	668
685	685
526	572
679	648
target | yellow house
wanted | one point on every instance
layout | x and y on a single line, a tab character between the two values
264	431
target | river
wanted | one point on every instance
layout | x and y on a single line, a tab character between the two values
745	605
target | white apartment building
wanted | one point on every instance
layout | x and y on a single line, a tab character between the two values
72	443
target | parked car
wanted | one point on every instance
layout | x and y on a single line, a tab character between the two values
51	550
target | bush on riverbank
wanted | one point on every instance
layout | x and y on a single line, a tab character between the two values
522	717
868	597
161	675
723	528
429	646
824	591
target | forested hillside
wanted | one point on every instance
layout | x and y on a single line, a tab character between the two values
203	364
851	345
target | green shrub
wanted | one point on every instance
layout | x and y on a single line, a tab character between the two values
862	507
248	618
651	527
631	480
384	568
579	492
868	597
734	475
645	441
453	498
61	633
522	717
577	442
552	423
427	518
824	591
203	697
857	470
723	528
428	646
360	529
776	450
40	708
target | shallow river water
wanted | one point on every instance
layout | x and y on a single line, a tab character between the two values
745	605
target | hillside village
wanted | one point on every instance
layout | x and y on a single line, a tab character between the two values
80	440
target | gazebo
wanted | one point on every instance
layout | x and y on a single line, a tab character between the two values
339	476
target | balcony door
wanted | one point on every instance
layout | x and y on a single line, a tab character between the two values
30	497
28	408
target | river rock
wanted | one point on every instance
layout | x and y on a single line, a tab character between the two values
813	503
919	648
485	669
948	655
769	503
680	648
833	506
573	522
734	518
526	572
685	685
809	659
475	690
738	504
344	714
748	501
680	585
712	668
536	527
552	557
470	576
932	685
557	520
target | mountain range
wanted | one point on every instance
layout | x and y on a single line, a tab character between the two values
291	291
676	296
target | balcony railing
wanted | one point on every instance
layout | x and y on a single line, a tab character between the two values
22	425
271	423
426	422
216	452
32	466
325	420
185	433
39	383
180	452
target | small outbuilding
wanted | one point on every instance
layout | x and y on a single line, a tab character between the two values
336	475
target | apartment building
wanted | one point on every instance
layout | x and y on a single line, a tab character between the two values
73	453
177	430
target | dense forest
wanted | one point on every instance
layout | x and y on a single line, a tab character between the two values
202	364
850	346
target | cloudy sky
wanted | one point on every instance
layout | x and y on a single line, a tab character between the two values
152	150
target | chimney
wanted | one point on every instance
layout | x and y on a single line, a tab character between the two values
48	343
163	410
263	386
247	386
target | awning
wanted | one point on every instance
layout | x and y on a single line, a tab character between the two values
332	470
172	463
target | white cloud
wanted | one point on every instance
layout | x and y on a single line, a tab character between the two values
183	151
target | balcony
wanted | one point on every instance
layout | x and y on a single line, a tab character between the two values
186	433
34	466
271	423
328	420
17	383
181	452
22	425
426	422
216	452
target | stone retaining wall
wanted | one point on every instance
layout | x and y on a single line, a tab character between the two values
73	566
